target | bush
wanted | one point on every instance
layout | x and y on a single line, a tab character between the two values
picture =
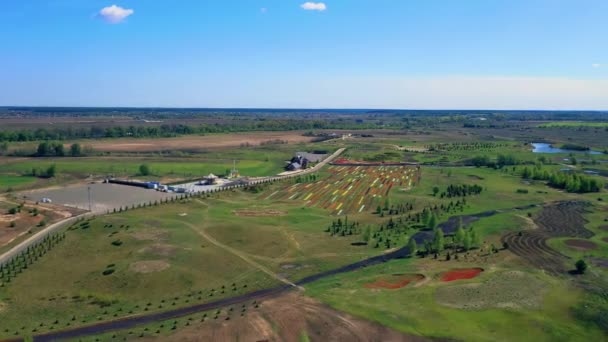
522	191
116	242
581	266
108	271
144	170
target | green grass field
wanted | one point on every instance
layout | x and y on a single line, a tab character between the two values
15	182
169	251
414	309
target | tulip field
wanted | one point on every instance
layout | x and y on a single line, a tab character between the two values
350	189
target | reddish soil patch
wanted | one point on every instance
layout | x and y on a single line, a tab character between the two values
396	281
583	245
460	274
195	143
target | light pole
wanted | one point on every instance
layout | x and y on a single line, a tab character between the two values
89	190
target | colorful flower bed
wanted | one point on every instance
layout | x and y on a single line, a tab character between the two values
350	189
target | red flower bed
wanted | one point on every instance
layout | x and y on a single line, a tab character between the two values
459	274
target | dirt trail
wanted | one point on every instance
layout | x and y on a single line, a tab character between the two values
238	253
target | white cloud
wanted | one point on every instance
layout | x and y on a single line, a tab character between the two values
115	14
314	6
597	65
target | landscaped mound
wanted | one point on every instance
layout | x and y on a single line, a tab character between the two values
259	212
396	281
511	289
460	274
148	266
581	245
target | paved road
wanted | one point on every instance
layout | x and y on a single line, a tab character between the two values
13	252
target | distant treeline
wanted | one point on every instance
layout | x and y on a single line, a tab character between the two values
67	133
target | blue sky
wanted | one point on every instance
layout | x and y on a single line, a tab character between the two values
510	54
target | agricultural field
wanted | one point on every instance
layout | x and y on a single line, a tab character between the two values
407	226
350	189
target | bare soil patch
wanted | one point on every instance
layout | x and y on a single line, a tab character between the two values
289	317
150	234
512	289
581	245
604	228
148	266
24	222
395	281
160	250
259	212
605	239
293	267
194	143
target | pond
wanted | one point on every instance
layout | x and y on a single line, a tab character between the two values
547	148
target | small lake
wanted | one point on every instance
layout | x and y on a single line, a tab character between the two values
547	148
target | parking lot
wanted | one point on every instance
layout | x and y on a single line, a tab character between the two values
104	197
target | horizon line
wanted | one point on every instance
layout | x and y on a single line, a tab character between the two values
300	108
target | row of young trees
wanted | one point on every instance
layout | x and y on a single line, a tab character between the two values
459	190
465	146
394	209
343	228
21	262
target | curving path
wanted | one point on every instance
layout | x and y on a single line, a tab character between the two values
16	250
133	321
